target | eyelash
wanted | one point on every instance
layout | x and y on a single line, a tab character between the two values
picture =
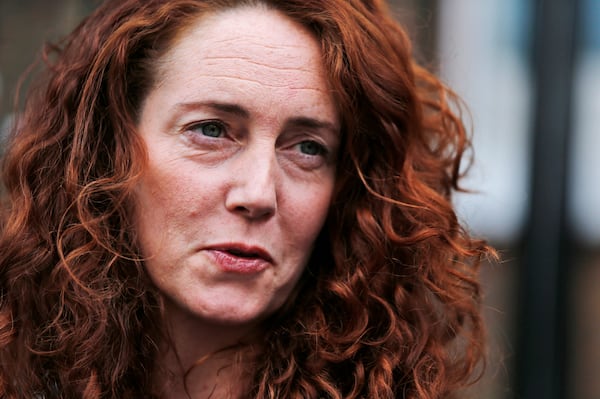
199	128
321	150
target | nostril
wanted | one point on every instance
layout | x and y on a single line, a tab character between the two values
255	212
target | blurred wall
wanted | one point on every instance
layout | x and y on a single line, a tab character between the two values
24	26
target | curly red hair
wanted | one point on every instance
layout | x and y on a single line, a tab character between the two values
389	305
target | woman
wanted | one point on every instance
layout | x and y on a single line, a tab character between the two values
245	199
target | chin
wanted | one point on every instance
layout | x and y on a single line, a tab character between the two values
234	317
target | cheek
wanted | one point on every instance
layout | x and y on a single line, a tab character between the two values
167	189
310	211
155	198
160	198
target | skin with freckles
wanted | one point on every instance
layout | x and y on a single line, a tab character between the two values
241	132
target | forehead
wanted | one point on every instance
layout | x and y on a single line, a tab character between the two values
244	36
253	56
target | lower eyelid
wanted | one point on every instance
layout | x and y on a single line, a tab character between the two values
306	161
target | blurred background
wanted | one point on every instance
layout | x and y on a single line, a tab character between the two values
529	72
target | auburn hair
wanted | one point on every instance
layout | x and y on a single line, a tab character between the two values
389	304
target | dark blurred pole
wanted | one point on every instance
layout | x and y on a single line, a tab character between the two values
544	278
427	11
420	19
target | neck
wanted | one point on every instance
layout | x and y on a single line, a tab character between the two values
216	376
203	360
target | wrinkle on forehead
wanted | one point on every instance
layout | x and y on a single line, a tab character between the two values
232	54
257	63
286	85
233	41
287	57
272	57
259	34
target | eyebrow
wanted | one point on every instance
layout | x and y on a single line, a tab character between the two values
227	108
238	110
311	123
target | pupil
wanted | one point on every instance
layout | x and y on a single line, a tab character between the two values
211	129
310	148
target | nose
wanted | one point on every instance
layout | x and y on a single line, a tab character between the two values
253	191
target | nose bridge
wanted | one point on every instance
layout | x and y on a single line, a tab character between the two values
254	191
259	168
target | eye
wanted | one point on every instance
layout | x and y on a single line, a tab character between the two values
310	147
209	129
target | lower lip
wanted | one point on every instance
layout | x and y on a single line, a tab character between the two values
238	264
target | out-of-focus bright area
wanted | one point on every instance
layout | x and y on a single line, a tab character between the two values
542	300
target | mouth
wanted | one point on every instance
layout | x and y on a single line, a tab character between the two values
244	251
240	259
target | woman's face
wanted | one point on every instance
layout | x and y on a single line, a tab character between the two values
241	132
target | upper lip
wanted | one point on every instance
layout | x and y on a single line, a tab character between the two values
243	250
